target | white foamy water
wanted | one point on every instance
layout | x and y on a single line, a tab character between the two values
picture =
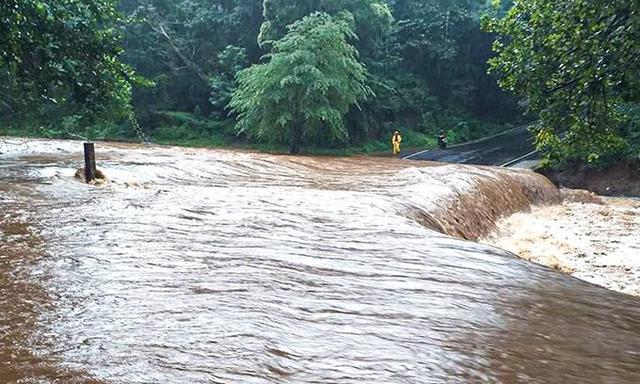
599	243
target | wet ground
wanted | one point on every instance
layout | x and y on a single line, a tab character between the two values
194	266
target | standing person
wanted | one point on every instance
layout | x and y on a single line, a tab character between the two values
396	140
442	140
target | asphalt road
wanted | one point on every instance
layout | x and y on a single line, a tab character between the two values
505	149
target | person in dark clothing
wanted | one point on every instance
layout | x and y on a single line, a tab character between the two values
442	140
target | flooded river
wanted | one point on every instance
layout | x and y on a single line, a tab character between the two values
195	266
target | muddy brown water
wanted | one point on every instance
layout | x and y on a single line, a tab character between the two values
196	266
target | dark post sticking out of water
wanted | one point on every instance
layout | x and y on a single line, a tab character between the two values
89	162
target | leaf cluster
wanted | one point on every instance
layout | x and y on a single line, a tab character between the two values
309	82
574	63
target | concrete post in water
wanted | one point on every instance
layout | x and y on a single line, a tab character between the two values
89	162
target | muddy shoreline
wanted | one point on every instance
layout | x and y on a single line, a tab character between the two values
620	180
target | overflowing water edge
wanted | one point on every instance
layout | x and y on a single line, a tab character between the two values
199	266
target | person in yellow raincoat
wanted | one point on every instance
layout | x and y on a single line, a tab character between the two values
396	140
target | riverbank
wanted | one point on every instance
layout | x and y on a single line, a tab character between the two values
593	238
621	180
413	142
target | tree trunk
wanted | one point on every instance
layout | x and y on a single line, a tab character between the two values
296	138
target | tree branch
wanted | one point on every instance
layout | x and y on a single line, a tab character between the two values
561	87
7	105
159	29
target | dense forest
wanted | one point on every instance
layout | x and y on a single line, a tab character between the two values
325	74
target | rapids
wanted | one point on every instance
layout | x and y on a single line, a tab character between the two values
198	266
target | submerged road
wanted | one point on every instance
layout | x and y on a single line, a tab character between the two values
505	149
194	266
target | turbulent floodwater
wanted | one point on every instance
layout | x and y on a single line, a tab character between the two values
594	239
196	266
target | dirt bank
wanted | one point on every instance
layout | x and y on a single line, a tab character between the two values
622	180
594	239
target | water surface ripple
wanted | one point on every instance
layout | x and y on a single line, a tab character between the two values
197	266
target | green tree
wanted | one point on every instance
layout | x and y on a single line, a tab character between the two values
230	61
371	19
425	60
575	63
427	63
303	92
192	50
430	74
62	52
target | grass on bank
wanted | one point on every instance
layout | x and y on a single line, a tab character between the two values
189	130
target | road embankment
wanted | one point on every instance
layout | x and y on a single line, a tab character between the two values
621	180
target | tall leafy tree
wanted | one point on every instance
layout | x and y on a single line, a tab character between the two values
62	52
192	50
427	65
370	19
430	75
434	26
303	92
440	42
576	64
